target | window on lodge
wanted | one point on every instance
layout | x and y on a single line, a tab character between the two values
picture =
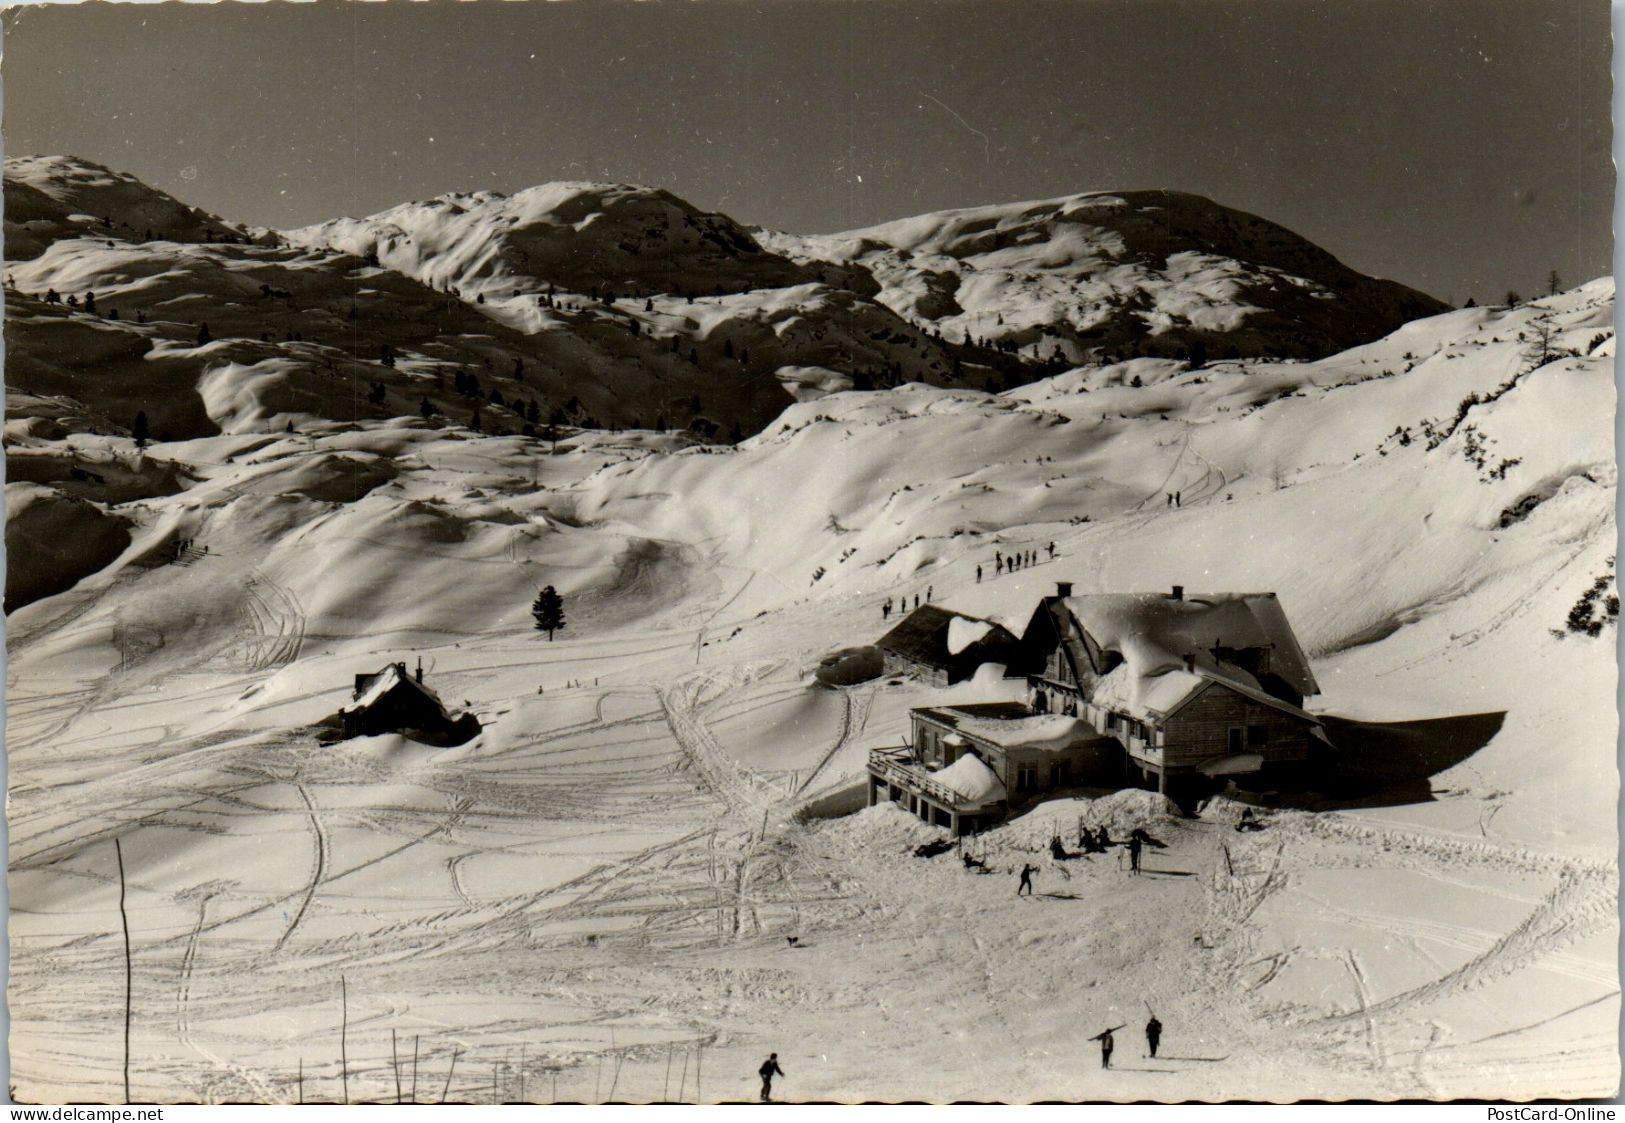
1026	778
1235	740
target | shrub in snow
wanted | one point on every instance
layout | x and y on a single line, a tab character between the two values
1594	610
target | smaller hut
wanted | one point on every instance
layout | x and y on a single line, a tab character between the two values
943	647
393	701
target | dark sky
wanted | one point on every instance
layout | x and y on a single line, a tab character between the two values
1461	146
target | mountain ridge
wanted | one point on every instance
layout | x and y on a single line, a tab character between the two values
603	304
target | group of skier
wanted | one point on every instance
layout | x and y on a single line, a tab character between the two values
902	602
1153	1037
1003	563
1095	840
1090	841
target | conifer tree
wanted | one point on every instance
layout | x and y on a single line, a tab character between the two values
548	609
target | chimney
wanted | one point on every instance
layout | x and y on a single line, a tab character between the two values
1063	588
1190	662
1178	593
420	670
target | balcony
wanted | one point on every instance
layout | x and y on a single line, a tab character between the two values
1140	749
894	767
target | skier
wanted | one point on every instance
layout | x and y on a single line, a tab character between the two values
929	589
1105	1040
1176	498
978	575
770	1068
916	600
1134	848
1027	872
1153	1034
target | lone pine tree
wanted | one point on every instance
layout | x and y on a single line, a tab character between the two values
548	610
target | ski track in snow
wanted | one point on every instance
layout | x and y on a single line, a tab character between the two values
599	877
318	863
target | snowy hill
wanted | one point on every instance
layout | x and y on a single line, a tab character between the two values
579	237
610	871
49	198
1116	275
726	336
608	305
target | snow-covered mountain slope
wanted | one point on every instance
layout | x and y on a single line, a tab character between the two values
49	198
727	336
1116	275
609	305
609	872
1452	479
579	237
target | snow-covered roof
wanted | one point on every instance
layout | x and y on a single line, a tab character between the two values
1154	632
1040	731
972	780
927	636
964	631
381	684
1154	694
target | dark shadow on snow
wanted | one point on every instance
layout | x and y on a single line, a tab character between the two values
1131	1068
1207	1060
1390	763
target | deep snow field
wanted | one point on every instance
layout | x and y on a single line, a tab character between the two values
592	899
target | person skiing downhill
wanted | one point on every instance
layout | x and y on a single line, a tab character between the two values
770	1068
1153	1034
